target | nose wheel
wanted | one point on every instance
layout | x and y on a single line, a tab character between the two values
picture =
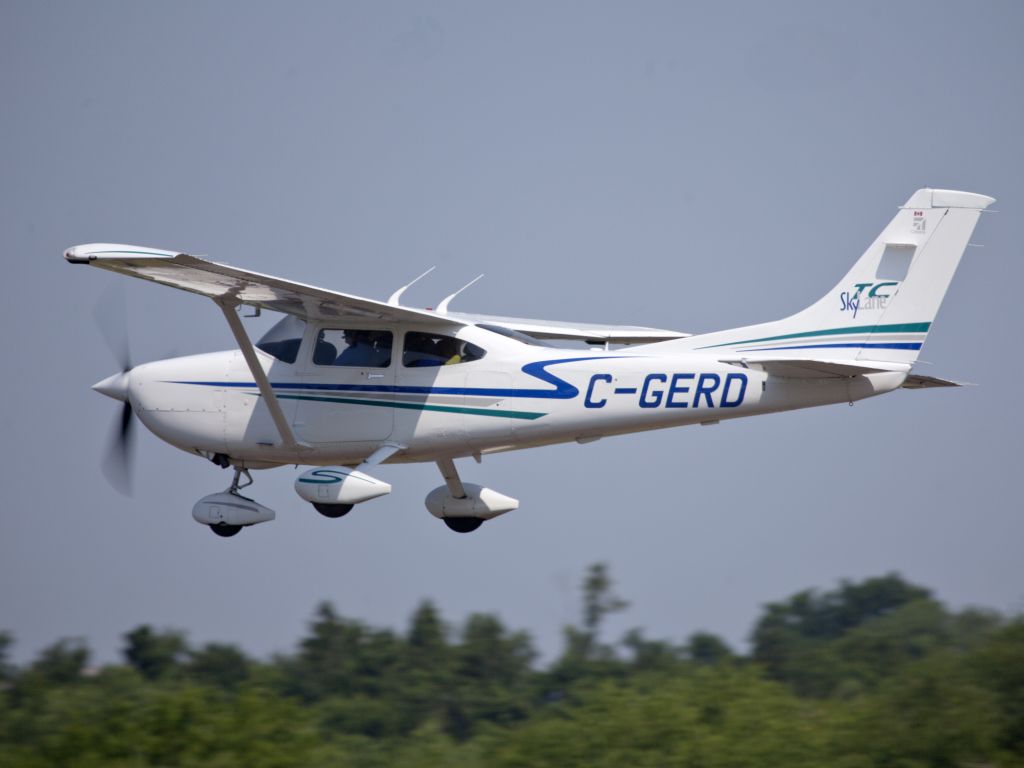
224	530
228	512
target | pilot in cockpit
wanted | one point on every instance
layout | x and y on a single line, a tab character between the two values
358	352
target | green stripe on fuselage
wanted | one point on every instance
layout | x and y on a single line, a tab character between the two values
891	328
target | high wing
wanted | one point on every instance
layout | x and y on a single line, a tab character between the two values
567	331
239	286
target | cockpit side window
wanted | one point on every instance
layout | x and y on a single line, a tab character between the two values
426	350
284	339
353	348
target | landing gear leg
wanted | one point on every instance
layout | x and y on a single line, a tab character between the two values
236	485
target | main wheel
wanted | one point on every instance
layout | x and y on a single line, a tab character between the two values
333	510
225	530
463	524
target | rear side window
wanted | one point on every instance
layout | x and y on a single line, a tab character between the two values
353	348
284	339
427	350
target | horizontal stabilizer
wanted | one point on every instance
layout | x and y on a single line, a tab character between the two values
795	368
917	381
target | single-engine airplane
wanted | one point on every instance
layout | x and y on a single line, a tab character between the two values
343	383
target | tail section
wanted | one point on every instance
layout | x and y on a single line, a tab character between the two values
883	308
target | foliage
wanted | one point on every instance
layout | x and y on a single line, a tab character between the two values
876	673
154	654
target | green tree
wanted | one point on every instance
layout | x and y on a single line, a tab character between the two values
650	655
793	639
154	654
61	663
426	668
584	656
599	599
717	717
999	665
931	713
219	665
706	648
6	668
341	657
492	676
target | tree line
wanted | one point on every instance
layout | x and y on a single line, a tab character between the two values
875	673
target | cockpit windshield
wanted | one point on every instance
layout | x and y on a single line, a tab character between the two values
283	340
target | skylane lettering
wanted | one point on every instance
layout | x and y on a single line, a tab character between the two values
671	390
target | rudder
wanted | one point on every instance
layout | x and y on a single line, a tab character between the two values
884	307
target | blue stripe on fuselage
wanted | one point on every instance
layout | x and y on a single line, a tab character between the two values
563	390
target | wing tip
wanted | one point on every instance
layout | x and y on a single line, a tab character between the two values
90	252
73	257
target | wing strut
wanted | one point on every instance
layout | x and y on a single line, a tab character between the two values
249	353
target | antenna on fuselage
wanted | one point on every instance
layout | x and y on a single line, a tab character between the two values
442	308
395	297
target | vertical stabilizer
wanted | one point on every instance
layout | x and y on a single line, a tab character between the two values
884	307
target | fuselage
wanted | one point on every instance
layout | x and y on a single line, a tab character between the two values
507	395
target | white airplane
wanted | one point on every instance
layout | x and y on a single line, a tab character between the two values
344	383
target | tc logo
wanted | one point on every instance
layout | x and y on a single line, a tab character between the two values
866	296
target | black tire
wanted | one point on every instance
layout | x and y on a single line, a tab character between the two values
463	524
333	510
225	530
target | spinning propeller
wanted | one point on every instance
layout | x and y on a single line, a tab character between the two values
111	318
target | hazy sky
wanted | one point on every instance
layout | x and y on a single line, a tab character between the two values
679	165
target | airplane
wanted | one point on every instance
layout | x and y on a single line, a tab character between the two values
343	384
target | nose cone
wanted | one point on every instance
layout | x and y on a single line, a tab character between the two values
115	386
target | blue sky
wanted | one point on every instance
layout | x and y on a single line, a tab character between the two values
687	166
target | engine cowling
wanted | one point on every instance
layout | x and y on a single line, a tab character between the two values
230	509
479	502
339	485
